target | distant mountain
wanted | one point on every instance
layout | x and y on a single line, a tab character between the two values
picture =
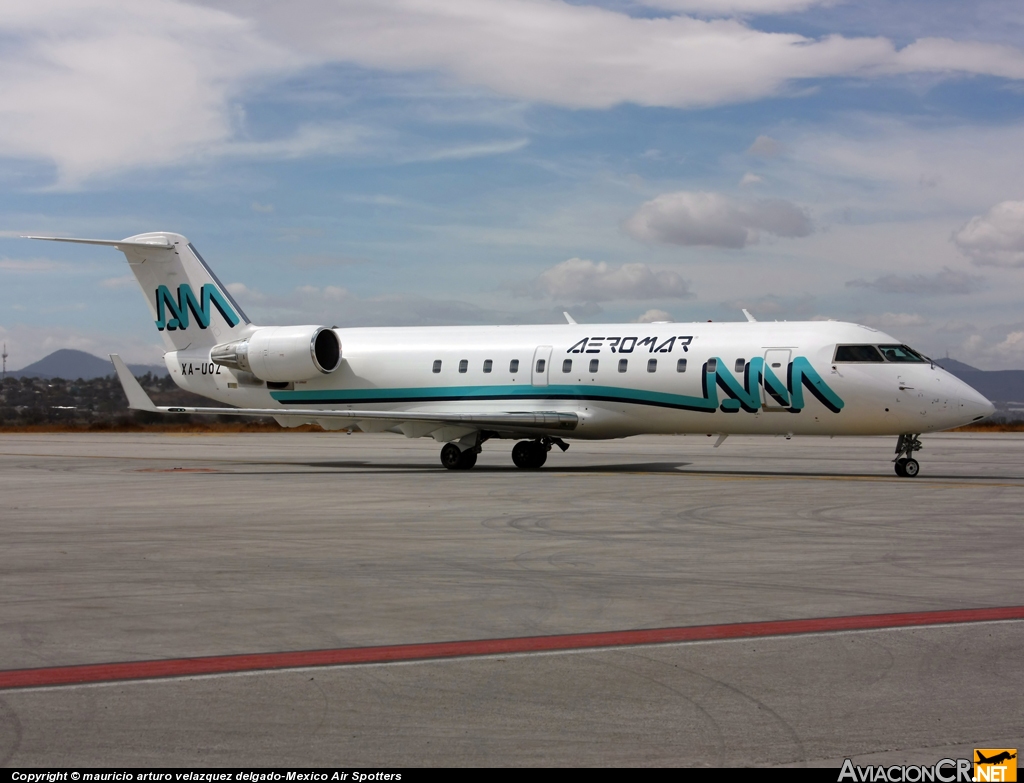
70	365
953	366
997	385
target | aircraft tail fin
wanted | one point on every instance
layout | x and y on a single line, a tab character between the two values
190	306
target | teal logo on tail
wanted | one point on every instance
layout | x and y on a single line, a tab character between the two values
173	315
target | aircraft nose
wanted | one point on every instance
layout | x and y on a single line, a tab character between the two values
975	406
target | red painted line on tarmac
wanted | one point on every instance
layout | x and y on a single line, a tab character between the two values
222	664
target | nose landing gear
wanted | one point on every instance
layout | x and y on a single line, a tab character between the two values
905	464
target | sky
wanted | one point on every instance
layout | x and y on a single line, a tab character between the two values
411	162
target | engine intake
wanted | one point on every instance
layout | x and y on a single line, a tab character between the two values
282	353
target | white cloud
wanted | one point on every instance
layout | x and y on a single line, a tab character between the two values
125	281
910	166
895	320
995	238
333	305
476	150
652	316
311	139
1011	348
995	349
36	265
98	85
947	281
585	56
937	55
735	7
244	294
580	279
750	179
766	147
264	208
313	260
695	218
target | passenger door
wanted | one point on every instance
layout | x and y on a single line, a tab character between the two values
776	360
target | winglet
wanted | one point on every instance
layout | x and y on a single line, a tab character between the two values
569	319
749	316
137	397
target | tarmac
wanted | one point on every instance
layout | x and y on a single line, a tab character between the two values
153	547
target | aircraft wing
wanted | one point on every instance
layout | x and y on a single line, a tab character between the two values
139	400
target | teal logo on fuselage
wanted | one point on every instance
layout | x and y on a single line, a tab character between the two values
746	396
173	315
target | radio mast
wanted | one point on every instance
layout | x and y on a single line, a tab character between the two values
5	362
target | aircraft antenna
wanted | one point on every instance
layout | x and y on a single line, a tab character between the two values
5	362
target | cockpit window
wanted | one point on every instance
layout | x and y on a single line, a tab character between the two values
900	353
857	353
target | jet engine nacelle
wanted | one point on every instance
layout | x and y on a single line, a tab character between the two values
282	353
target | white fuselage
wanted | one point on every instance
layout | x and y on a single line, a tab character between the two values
746	377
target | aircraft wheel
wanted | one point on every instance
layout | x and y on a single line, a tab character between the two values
911	468
901	467
451	456
468	459
540	456
529	455
521	454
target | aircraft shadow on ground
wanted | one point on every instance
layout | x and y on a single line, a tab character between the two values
674	467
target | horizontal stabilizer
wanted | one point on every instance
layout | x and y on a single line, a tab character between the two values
156	241
137	397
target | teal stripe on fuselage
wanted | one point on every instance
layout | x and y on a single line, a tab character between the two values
499	392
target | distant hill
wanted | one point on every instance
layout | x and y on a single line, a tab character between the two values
71	365
953	366
997	385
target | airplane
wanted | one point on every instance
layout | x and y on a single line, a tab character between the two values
1004	756
537	385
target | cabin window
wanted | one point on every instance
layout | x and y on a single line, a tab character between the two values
857	353
437	365
593	365
712	365
652	365
681	365
740	364
900	353
487	365
541	364
623	364
513	366
567	365
463	365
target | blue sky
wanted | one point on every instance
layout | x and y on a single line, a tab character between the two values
456	161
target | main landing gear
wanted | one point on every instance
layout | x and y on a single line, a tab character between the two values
454	458
905	464
532	454
527	454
